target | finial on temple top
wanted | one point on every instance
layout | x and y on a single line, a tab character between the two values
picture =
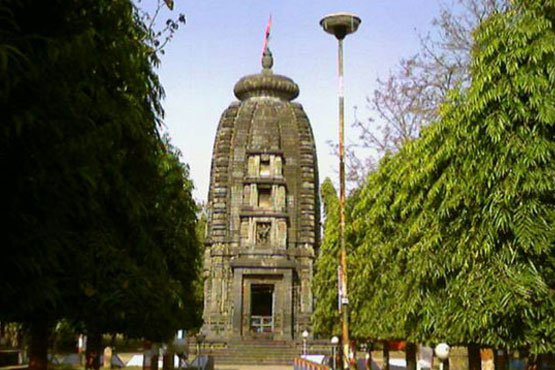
267	60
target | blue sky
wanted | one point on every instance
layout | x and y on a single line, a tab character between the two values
222	42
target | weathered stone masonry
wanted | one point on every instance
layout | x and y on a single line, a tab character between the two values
263	214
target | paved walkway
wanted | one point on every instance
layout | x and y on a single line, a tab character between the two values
251	367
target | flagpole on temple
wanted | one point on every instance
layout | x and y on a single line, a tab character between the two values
267	35
340	25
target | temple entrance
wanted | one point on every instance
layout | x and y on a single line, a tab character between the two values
262	308
266	305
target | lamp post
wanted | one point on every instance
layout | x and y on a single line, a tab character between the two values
340	25
334	341
180	346
305	337
442	352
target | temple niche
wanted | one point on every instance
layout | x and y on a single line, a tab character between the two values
263	214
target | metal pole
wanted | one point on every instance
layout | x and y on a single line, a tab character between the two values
344	303
333	355
340	25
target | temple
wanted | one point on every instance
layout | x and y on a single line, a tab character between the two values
263	214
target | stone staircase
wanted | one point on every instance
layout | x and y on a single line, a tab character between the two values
256	352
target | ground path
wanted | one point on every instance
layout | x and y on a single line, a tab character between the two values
253	367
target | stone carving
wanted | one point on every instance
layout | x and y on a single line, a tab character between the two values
246	195
251	167
278	171
279	203
263	233
282	234
254	195
244	232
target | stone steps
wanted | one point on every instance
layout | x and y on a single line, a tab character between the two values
256	352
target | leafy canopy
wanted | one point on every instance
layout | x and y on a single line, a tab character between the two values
99	213
454	234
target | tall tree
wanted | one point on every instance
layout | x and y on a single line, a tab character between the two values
98	209
326	317
456	230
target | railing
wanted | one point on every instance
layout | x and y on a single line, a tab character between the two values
262	324
304	364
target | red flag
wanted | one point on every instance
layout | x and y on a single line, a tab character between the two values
267	34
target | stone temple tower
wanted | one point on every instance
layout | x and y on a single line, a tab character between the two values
263	214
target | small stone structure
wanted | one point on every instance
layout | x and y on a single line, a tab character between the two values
263	214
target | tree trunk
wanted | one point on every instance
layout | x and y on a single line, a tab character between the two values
38	349
534	362
154	361
410	356
549	360
385	356
167	361
147	355
94	348
369	356
500	359
474	358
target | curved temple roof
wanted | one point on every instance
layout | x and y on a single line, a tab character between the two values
266	83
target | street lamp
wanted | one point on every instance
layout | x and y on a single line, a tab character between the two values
305	337
442	352
334	342
340	25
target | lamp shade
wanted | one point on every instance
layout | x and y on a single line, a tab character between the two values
340	24
442	351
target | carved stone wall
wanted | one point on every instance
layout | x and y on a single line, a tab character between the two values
263	210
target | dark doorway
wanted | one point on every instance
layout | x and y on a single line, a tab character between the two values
262	308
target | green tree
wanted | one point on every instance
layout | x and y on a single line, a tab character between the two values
99	212
377	283
326	317
456	230
146	287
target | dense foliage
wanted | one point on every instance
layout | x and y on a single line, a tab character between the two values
454	233
326	317
99	217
